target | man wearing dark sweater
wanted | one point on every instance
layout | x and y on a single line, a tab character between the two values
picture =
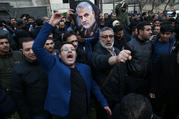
70	83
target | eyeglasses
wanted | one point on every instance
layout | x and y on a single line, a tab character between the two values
106	36
65	49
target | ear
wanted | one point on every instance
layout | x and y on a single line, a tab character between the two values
140	31
93	12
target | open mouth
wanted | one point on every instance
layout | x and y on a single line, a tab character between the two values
70	57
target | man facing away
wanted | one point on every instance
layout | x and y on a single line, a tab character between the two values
70	83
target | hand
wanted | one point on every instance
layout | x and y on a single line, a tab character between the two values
70	11
108	110
123	56
55	19
152	95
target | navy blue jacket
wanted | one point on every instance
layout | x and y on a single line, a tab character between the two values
59	88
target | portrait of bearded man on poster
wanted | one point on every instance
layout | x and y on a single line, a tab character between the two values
86	14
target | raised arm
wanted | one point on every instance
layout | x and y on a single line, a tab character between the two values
45	59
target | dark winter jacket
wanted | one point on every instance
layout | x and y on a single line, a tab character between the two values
7	106
141	52
110	78
7	62
29	86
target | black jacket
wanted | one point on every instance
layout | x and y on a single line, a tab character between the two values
110	78
7	105
29	86
141	51
165	75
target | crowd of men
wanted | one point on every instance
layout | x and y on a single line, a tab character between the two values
117	66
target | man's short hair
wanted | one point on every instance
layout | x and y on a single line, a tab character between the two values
83	5
26	39
135	106
67	35
141	25
166	28
4	36
63	43
105	29
117	28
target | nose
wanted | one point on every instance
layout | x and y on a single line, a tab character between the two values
31	51
83	18
108	38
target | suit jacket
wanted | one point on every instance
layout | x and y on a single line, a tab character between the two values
59	89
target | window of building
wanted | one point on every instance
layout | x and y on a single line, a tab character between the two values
65	1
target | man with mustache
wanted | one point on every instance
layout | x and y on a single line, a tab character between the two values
70	83
86	16
139	68
49	46
8	59
108	70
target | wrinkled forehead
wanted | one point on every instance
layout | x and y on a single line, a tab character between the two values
83	11
107	32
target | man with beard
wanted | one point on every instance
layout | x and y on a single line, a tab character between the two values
70	83
108	72
139	68
29	84
49	46
86	16
8	59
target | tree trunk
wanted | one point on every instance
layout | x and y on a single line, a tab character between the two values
153	5
166	5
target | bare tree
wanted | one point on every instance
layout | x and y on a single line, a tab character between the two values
153	5
166	5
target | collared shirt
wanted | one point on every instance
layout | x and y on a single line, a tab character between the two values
112	52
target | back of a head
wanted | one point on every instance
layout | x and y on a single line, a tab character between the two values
135	106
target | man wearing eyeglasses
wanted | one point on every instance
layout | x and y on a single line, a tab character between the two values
108	71
81	54
70	83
